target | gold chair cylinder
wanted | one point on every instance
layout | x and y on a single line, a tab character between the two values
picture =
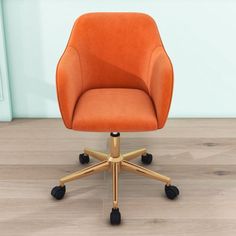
115	145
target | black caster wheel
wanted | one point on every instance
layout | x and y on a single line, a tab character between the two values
58	192
171	191
83	158
147	159
115	217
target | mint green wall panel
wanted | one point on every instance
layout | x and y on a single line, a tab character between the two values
5	99
198	35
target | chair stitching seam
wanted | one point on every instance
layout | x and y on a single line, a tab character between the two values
82	85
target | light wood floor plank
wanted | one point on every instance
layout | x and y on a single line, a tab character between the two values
198	154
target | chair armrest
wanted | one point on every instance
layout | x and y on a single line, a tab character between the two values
69	84
161	83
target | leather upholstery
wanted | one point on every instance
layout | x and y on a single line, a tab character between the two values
111	56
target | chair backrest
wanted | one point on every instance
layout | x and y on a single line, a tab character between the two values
114	48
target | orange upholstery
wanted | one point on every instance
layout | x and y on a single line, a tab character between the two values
114	74
117	109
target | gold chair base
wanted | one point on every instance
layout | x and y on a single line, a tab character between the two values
115	162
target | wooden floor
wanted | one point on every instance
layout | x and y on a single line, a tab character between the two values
199	155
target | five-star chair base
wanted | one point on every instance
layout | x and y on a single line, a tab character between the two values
115	162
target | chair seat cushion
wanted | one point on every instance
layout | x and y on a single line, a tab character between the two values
114	109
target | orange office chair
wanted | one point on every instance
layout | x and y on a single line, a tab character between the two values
114	76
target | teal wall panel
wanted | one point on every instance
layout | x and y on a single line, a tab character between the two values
198	35
5	98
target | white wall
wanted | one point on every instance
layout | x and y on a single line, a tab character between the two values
199	36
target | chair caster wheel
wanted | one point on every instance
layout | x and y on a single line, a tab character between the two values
147	159
58	192
115	217
83	158
171	191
